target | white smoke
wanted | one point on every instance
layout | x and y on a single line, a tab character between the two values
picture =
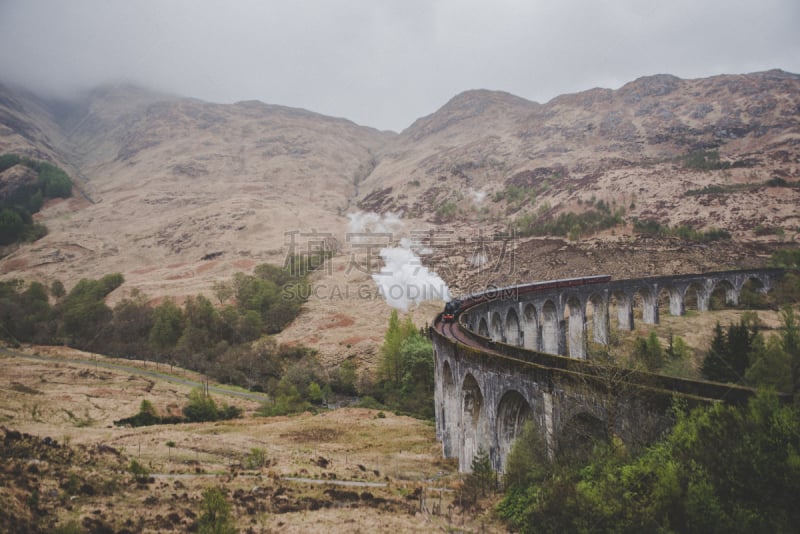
402	281
361	222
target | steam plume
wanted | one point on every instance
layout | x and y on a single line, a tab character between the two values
402	281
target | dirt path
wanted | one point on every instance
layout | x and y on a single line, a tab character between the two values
258	397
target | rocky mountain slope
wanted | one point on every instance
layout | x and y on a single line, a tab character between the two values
176	193
169	181
622	146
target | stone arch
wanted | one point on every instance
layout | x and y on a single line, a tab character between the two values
578	436
576	327
530	327
753	293
512	328
550	330
448	410
695	297
600	319
473	421
723	294
756	282
483	328
670	300
512	414
496	327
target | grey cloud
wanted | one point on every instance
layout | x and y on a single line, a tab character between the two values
386	63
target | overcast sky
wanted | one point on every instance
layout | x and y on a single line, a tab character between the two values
385	63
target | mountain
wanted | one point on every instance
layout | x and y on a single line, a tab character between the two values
167	181
627	146
176	193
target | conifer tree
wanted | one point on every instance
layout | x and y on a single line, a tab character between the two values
481	481
390	363
727	359
791	346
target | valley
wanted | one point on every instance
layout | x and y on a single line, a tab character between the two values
353	469
180	201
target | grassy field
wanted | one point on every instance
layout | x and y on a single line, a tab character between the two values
346	470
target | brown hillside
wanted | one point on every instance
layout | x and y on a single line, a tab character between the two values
173	180
180	193
619	146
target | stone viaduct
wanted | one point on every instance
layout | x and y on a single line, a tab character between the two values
519	354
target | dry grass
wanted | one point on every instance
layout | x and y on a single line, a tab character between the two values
77	404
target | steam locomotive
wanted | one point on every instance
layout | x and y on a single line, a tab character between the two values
450	309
